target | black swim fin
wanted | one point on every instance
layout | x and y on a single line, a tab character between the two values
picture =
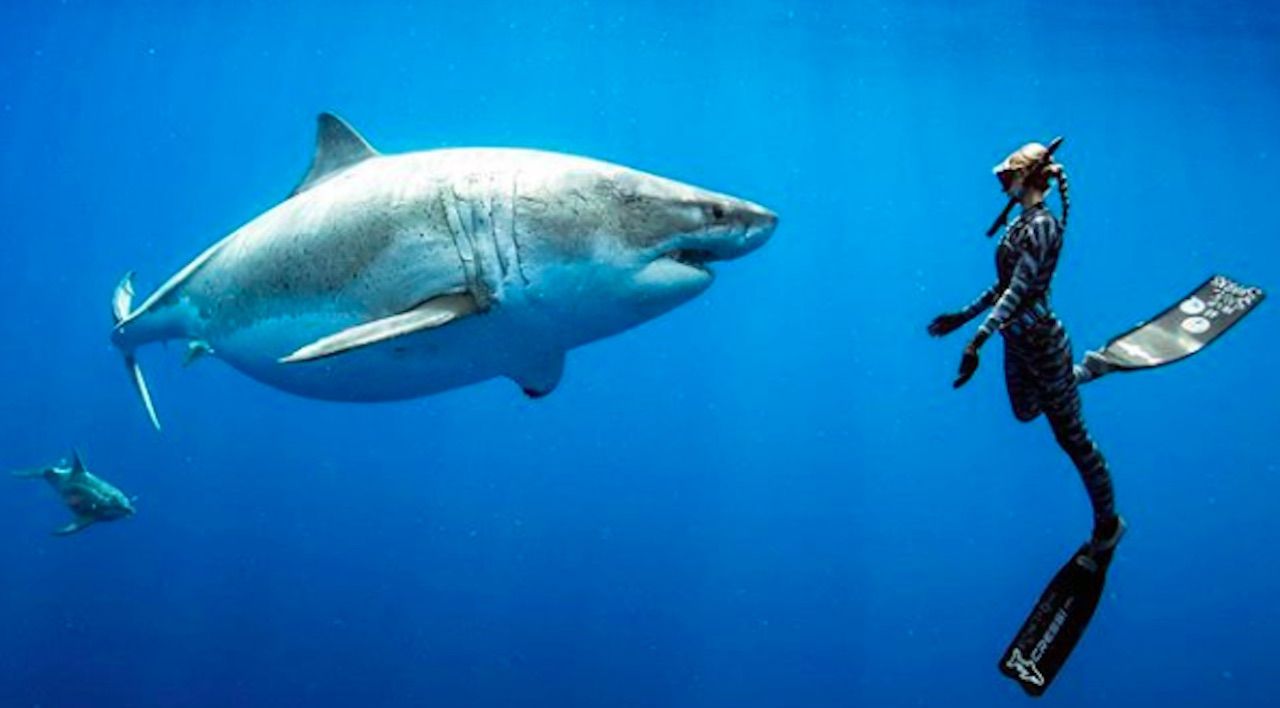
1180	331
1057	621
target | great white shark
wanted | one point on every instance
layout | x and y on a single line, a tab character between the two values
89	497
386	277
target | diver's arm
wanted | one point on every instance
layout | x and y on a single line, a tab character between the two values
985	300
951	321
1024	274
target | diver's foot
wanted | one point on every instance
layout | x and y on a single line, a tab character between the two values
1106	534
1090	367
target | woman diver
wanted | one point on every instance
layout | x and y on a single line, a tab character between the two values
1039	371
1041	378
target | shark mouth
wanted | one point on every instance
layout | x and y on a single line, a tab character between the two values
692	258
718	244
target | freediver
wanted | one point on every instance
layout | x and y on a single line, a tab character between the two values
1039	369
1041	379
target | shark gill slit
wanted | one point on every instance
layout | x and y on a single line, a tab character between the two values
515	235
462	244
490	200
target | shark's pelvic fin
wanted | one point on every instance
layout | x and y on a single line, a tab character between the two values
121	303
338	146
542	378
433	313
197	349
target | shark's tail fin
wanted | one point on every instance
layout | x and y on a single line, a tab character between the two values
31	473
121	303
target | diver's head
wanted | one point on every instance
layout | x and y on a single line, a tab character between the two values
1014	172
1025	175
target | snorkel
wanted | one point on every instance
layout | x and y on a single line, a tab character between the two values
1035	168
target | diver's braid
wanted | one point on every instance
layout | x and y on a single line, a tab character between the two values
1064	190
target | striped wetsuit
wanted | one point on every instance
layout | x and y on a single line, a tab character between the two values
1037	352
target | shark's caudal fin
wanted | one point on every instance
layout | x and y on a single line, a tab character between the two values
121	302
31	473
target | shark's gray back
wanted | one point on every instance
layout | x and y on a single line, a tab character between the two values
366	243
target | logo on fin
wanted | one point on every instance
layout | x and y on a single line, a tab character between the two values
1026	668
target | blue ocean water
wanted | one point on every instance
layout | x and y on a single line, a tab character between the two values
769	497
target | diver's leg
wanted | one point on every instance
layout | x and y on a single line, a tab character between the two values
1061	402
1024	395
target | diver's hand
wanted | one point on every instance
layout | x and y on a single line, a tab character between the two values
968	365
946	324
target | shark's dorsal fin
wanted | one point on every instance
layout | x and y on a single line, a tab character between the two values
338	146
77	465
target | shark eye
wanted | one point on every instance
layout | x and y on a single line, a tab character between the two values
717	212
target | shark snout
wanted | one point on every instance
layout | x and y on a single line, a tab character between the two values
739	227
758	225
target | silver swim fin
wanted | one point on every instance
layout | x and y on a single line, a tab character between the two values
1183	329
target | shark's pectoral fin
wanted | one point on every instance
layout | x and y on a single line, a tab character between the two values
79	524
542	377
431	314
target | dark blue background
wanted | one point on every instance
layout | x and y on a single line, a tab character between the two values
770	497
